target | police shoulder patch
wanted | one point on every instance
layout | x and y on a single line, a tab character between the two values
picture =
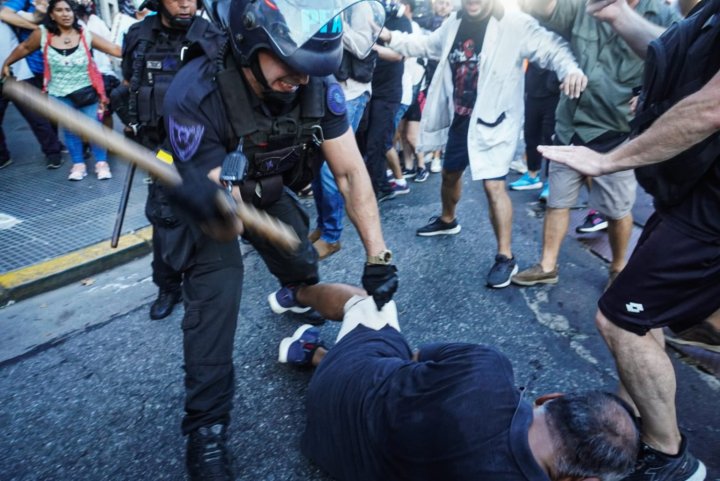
336	99
185	139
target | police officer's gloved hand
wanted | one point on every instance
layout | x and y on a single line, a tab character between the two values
381	282
197	196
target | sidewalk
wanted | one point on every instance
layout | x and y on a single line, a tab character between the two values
54	231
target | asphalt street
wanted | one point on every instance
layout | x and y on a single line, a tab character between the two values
91	389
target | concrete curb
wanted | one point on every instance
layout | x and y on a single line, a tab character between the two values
62	270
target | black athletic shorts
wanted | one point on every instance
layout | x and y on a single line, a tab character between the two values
671	280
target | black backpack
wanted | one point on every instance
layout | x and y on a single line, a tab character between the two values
678	64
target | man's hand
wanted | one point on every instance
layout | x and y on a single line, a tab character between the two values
574	84
607	10
198	196
381	282
586	161
385	35
5	71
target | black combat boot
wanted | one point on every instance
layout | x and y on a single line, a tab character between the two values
164	304
208	457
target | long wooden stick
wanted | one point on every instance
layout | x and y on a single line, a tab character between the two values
253	219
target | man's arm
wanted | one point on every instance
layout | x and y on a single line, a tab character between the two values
11	17
630	25
415	44
689	122
351	175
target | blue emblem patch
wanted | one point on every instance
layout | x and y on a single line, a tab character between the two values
336	99
185	139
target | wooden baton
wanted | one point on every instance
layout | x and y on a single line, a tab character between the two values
257	221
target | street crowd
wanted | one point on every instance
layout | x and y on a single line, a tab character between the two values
352	102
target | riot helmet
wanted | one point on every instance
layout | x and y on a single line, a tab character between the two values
305	34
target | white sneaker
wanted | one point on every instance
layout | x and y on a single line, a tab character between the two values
77	172
435	165
102	170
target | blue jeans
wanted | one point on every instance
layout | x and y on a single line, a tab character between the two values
74	143
329	202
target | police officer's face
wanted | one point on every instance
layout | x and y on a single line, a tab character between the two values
180	8
477	8
280	77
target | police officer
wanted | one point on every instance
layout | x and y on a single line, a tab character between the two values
153	52
266	102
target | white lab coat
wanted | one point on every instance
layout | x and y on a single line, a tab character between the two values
496	118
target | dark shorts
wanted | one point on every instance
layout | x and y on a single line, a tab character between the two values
670	280
456	157
413	112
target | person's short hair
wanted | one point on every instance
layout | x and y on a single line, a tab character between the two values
594	435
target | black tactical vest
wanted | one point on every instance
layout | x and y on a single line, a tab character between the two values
156	59
283	147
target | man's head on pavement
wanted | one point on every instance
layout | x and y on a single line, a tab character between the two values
478	9
588	435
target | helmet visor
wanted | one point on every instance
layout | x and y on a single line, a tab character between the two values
291	23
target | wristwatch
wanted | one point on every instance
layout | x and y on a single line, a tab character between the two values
383	258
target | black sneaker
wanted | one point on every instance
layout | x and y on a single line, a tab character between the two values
593	222
208	457
437	226
409	173
655	466
382	196
54	161
5	162
422	175
501	272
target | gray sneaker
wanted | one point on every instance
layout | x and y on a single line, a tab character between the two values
501	272
655	466
535	275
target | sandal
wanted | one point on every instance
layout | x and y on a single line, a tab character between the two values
102	170
77	172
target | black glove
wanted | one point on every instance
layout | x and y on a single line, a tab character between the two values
197	196
381	282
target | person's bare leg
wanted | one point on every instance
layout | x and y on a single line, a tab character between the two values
393	160
318	356
412	132
328	299
500	210
619	232
555	227
450	193
648	376
622	391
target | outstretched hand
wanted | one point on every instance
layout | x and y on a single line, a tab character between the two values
586	161
574	84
